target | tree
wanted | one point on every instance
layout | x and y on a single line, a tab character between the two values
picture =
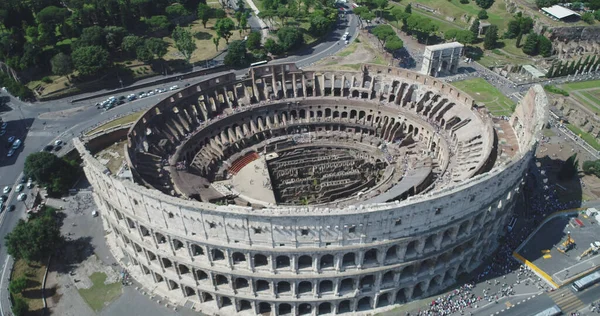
531	44
545	46
519	39
216	41
490	40
204	13
588	17
142	53
513	29
569	168
273	47
236	54
465	37
484	4
450	34
550	72
394	43
52	15
20	307
176	10
383	32
130	43
475	28
319	24
243	23
597	15
156	46
92	36
482	15
591	167
381	5
408	8
35	239
184	42
289	38
114	37
158	23
223	27
61	65
51	171
545	3
17	285
90	60
254	40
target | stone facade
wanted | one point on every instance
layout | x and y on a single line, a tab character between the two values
441	59
312	260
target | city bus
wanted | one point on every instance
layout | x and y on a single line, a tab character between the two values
586	281
552	311
258	63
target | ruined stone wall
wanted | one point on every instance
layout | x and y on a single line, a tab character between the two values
569	42
577	116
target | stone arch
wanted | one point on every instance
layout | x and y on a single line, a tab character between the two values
220	279
462	229
225	301
349	260
283	287
325	286
245	305
304	309
197	250
419	290
401	297
206	297
367	281
183	269
430	241
188	291
160	238
167	263
388	278
201	275
238	258
325	308
327	261
391	254
383	300
305	262
426	265
411	248
364	304
344	307
407	272
352	114
262	285
217	254
304	287
347	285
436	282
241	283
177	244
370	256
282	262
260	260
264	308
284	309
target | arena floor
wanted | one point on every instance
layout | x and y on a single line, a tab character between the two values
253	183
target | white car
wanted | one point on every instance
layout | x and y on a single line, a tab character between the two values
58	142
150	93
10	152
19	187
29	184
22	197
175	87
6	189
4	125
16	144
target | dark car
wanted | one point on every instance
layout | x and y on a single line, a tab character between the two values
11	208
4	198
57	148
122	97
23	179
49	148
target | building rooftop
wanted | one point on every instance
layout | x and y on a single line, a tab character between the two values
533	71
444	46
559	12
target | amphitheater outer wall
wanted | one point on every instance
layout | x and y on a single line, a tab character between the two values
313	260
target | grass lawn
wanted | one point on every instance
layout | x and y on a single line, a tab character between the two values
486	94
548	132
203	36
122	120
581	85
34	273
593	103
591	140
58	83
100	294
348	50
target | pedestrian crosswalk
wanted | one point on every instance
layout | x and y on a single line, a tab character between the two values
566	300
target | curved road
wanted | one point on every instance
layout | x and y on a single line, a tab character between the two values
40	124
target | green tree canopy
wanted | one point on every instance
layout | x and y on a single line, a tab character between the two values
20	307
394	43
130	44
383	32
465	37
531	44
204	13
17	285
490	40
484	4
475	28
158	23
90	60
61	64
273	47
236	54
51	171
254	40
184	42
289	38
35	239
588	17
545	3
156	46
114	37
482	15
224	28
544	46
592	167
176	10
91	36
52	15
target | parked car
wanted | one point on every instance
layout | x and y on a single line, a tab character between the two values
2	132
4	125
48	148
10	153
29	184
16	144
6	189
150	93
175	87
19	187
11	139
22	197
58	142
11	208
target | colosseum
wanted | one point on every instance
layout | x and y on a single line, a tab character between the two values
308	192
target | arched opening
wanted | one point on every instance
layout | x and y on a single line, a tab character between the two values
260	260
262	285
367	282
245	305
463	228
285	309
160	238
370	257
406	273
201	275
145	232
238	258
324	308
183	269
304	309
189	291
349	260
225	301
388	278
220	279
283	287
430	242
282	262
304	287
418	291
447	237
426	266
177	244
241	283
391	254
364	304
197	250
411	248
325	286
217	255
264	308
401	297
304	262
344	307
173	284
206	297
326	261
347	285
383	300
167	263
